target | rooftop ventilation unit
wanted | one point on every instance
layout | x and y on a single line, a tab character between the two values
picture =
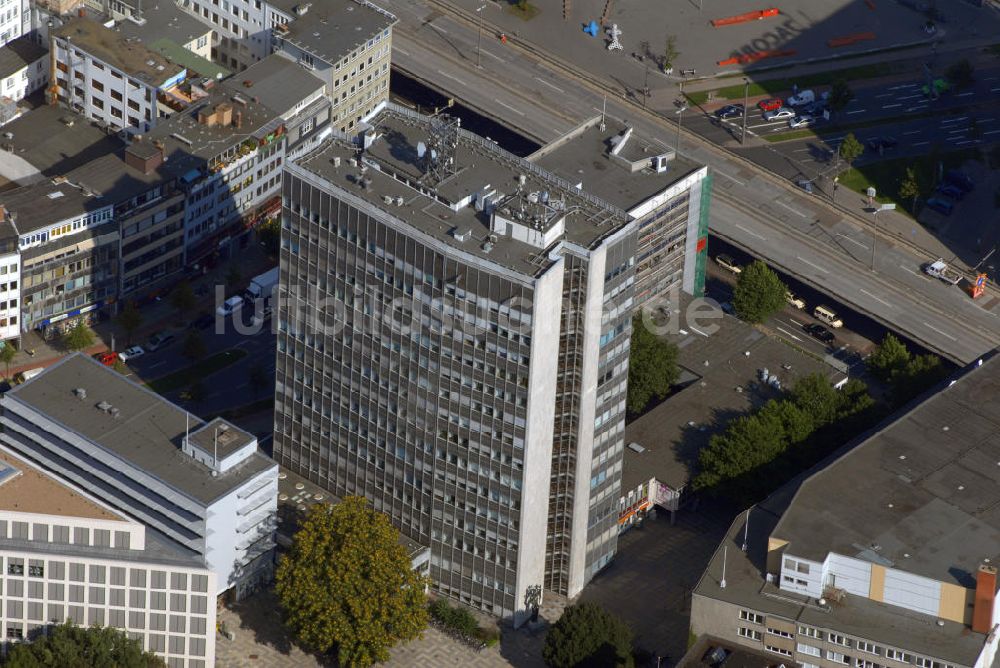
114	412
103	406
399	200
81	393
461	234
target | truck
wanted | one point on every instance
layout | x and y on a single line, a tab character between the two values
939	269
262	286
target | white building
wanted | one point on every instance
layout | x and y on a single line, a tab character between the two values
10	294
65	555
23	69
15	20
111	78
204	486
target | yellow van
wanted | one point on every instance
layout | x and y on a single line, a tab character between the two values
827	315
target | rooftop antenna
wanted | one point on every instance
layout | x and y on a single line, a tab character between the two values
725	553
187	427
215	453
604	111
746	530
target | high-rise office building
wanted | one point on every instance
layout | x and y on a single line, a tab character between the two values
453	344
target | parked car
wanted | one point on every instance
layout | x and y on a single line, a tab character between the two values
880	143
960	179
728	263
730	111
230	306
802	121
801	98
820	333
158	341
203	321
779	114
107	358
131	353
794	300
806	185
815	108
941	205
952	191
770	104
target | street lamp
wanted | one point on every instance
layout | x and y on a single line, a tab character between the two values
681	108
746	96
884	207
479	44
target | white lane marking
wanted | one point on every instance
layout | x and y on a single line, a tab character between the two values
552	86
814	266
452	77
402	51
912	132
923	276
909	97
884	95
698	331
951	132
954	120
967	141
965	94
493	55
799	213
801	150
991	132
438	29
731	178
857	111
504	104
852	240
920	143
787	333
878	299
993	90
751	232
920	107
891	106
908	85
930	326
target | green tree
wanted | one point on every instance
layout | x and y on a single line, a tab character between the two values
840	95
909	188
961	73
759	293
194	346
588	635
816	396
258	379
850	149
670	52
79	337
652	367
129	319
183	299
233	277
269	234
888	358
917	376
7	356
347	584
68	645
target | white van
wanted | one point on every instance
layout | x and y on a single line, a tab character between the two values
801	98
28	374
827	315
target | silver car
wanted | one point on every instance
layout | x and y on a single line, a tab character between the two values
803	121
779	114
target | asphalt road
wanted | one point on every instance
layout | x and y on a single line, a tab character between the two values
788	229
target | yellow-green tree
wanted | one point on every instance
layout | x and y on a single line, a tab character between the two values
347	584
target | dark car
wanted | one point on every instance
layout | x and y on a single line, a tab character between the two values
815	108
881	143
819	332
730	111
941	205
960	179
203	321
952	191
771	104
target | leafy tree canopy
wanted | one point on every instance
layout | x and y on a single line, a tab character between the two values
347	584
652	367
759	293
71	646
79	337
588	635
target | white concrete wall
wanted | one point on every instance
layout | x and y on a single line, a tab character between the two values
852	575
11	19
25	81
10	296
542	379
913	592
813	579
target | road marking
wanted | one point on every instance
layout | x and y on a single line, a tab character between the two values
917	108
993	90
857	111
878	299
452	77
698	331
965	94
402	51
751	232
493	55
912	132
954	120
967	141
891	106
438	29
787	333
951	132
991	132
852	240
908	85
909	97
930	326
884	95
923	276
920	143
552	86
802	150
731	178
504	104
814	266
798	213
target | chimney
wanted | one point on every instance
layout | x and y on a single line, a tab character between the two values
206	118
224	114
986	591
238	120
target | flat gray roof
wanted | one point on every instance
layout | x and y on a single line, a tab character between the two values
19	53
332	29
56	140
478	164
220	436
674	432
147	432
921	495
877	622
128	55
585	158
278	82
163	20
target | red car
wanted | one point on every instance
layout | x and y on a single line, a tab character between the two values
770	104
107	358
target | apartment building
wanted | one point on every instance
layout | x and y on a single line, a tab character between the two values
112	78
202	485
23	69
346	43
885	558
66	555
15	20
469	364
10	282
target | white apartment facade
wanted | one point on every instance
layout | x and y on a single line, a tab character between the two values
66	556
23	69
15	19
10	295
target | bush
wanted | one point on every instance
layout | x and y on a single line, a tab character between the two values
462	622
